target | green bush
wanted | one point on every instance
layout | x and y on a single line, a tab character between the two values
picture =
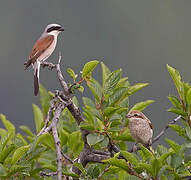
25	156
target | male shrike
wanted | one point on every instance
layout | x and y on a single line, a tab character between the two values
42	49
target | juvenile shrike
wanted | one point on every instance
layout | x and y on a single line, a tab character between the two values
140	127
42	49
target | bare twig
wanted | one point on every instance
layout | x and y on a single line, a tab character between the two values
52	107
67	158
186	177
61	78
51	174
165	128
57	144
104	171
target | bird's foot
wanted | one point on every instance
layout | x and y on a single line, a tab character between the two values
48	64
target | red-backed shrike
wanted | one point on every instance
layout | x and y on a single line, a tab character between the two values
140	127
42	49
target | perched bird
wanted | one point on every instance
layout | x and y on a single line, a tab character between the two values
140	127
42	49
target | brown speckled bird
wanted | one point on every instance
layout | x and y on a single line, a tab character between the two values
140	127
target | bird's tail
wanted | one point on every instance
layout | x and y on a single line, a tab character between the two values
27	64
36	77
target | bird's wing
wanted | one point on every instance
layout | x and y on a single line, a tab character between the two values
150	124
39	47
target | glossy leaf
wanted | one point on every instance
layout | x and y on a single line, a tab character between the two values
26	130
8	125
136	87
112	81
44	99
19	153
72	73
109	111
105	72
75	142
117	95
175	75
141	105
94	139
95	88
88	68
38	117
176	147
131	157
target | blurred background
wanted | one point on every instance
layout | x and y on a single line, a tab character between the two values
140	37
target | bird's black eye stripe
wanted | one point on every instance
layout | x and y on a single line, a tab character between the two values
136	115
53	28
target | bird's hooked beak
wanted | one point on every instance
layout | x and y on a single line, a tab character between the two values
61	29
128	116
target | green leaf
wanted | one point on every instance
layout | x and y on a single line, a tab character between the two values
81	89
141	105
88	68
44	99
118	163
176	160
163	177
124	103
156	166
164	156
38	117
19	153
136	87
146	167
17	168
177	111
8	125
175	75
88	102
176	147
87	127
75	101
3	172
94	139
21	139
175	101
112	81
89	117
72	73
3	132
105	72
75	142
188	98
109	111
131	157
5	153
95	88
180	130
70	174
63	137
188	132
93	171
26	130
117	95
47	140
145	153
6	140
80	167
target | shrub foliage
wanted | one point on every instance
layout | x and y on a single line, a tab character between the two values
25	156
